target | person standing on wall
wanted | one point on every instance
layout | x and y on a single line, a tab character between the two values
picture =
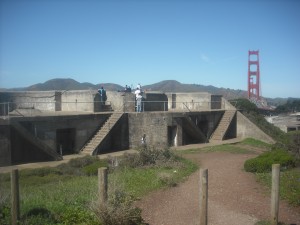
139	102
103	97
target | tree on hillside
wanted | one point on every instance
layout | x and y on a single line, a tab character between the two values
244	105
292	105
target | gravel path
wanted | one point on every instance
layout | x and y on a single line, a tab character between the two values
235	198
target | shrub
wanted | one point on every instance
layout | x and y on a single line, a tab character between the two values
263	162
38	216
118	210
76	215
167	179
149	156
82	161
291	142
86	165
5	215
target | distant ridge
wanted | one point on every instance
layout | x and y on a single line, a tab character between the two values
65	84
175	86
164	86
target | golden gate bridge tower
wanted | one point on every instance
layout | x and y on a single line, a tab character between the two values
253	76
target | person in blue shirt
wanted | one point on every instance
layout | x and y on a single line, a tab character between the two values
103	97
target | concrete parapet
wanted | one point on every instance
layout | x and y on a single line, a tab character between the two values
246	129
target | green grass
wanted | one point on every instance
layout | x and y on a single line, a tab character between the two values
140	181
289	184
231	148
243	147
63	195
255	143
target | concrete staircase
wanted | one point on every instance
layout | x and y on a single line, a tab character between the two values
36	141
91	147
221	130
197	133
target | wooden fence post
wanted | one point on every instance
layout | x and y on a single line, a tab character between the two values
275	193
102	184
15	203
203	196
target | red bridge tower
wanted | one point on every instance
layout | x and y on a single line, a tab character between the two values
253	76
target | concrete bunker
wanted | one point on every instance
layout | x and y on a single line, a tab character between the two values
68	121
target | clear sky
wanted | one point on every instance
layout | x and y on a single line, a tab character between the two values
147	41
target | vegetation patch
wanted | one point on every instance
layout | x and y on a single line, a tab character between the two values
255	143
118	210
263	162
231	148
289	184
66	194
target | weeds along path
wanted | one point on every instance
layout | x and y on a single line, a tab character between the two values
235	198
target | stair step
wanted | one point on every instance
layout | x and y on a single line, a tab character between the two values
103	131
223	125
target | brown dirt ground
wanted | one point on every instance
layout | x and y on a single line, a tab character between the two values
235	198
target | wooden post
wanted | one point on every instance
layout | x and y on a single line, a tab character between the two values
275	193
203	196
102	182
15	204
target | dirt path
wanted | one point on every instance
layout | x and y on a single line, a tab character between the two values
235	198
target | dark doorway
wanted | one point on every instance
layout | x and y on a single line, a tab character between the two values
65	141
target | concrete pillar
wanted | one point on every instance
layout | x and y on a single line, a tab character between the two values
179	133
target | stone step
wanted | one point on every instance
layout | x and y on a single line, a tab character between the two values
95	141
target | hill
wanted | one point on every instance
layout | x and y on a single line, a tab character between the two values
66	84
164	86
175	86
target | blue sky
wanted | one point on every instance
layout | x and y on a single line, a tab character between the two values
147	41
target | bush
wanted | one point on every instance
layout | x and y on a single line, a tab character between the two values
86	165
149	156
263	163
77	215
82	161
291	142
38	216
118	210
5	215
167	179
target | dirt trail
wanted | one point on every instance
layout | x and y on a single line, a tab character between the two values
235	198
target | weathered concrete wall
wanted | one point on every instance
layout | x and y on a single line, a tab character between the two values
89	101
5	152
155	102
227	105
161	129
194	101
246	129
42	100
153	125
166	128
72	131
121	101
80	100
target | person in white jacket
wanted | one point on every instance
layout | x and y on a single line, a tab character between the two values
139	102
